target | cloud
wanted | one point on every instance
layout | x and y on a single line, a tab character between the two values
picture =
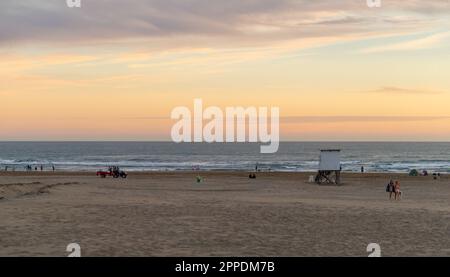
346	119
328	119
398	90
169	23
427	42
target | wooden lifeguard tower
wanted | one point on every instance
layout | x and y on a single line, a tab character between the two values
329	167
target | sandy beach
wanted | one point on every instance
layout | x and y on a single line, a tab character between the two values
169	214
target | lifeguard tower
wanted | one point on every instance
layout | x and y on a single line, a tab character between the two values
329	167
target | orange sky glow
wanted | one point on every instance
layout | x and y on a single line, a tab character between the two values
337	72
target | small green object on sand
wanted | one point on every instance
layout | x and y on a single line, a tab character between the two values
413	173
199	179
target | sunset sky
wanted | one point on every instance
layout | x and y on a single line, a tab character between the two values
114	69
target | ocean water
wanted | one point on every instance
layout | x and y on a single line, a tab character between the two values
163	156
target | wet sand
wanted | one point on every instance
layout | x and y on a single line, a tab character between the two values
169	214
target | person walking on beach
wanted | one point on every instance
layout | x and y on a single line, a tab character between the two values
390	188
398	192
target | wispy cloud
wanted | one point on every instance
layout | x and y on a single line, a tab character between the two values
427	42
326	119
398	90
346	119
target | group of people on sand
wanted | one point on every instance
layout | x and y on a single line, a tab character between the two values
36	168
393	188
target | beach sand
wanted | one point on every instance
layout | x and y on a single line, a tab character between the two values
169	214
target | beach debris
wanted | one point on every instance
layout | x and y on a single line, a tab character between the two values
252	176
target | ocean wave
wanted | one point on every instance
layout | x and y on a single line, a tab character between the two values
294	157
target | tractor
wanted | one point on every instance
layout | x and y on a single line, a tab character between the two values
113	171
